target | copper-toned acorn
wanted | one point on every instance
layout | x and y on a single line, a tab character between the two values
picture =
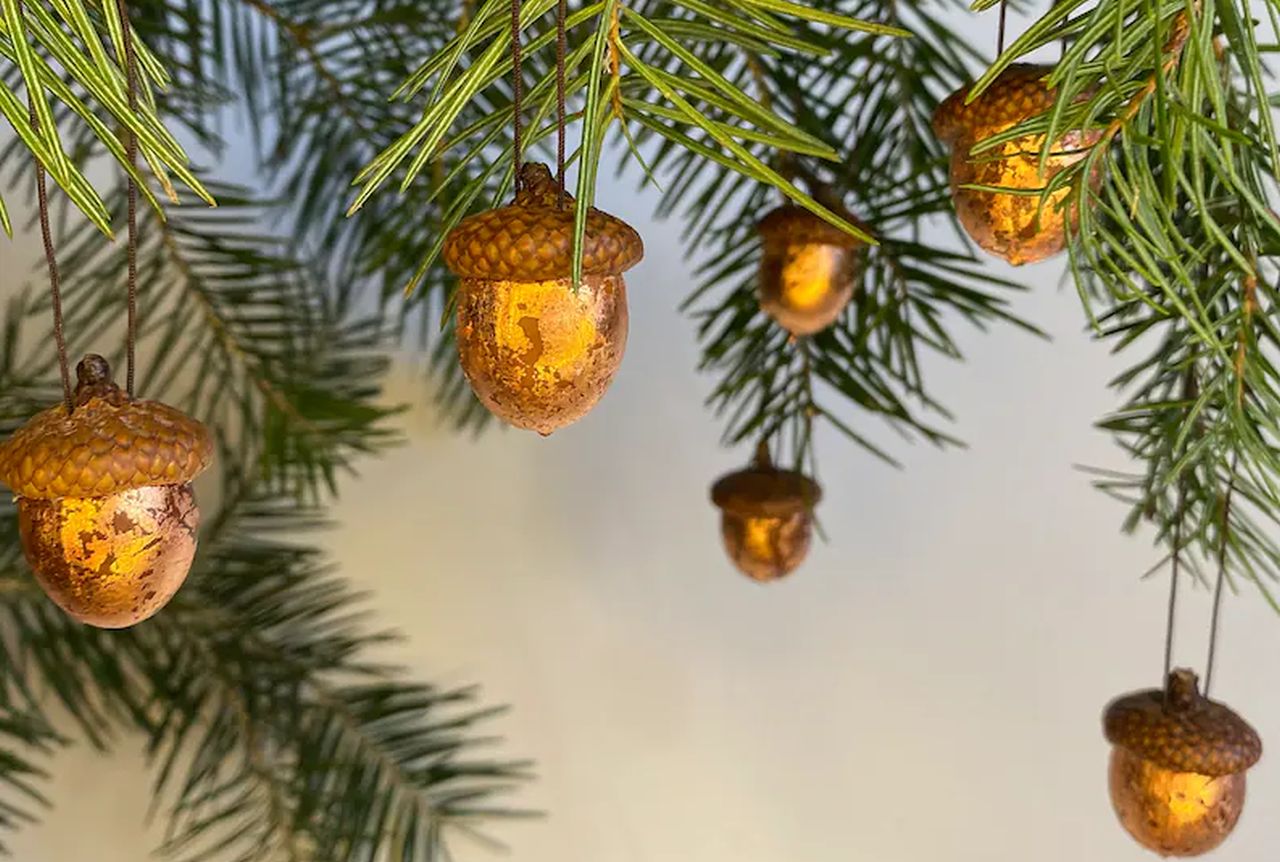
808	269
1021	228
766	517
538	353
106	513
1178	768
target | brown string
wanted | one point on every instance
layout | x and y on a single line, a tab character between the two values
1004	18
131	149
517	92
55	279
561	42
1174	573
1224	539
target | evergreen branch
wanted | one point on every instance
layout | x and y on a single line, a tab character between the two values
35	41
244	336
909	293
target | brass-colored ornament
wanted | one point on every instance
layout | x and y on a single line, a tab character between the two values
539	354
1177	771
1021	228
766	517
808	269
106	512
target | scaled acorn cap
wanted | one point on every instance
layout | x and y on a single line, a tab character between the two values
1017	94
763	491
1183	731
532	238
109	443
791	223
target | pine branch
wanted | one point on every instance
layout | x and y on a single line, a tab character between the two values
57	56
243	335
910	292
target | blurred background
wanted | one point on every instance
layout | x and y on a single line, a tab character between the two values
929	685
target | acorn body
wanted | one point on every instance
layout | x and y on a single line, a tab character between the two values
1177	773
1174	813
766	518
106	512
111	561
1021	228
808	269
538	353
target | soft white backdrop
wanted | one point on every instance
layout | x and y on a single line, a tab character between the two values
928	686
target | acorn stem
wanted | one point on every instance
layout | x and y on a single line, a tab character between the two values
1182	691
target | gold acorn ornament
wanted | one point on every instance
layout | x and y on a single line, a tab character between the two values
1021	228
106	512
808	269
766	518
1178	768
538	353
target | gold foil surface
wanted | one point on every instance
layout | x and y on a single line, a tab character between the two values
805	285
538	355
765	548
111	561
1174	813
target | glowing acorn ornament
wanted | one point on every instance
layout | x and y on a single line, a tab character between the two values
539	354
808	269
1178	767
766	517
106	513
1021	228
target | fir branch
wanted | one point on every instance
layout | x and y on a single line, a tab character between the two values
893	177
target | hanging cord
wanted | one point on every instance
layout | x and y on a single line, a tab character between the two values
561	43
1004	20
131	149
1216	616
55	279
1174	567
517	93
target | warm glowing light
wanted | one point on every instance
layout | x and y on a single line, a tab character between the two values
766	548
1020	225
805	285
538	354
1174	813
111	561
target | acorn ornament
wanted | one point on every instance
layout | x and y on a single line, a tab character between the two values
766	517
1021	228
1178	767
538	353
808	269
106	512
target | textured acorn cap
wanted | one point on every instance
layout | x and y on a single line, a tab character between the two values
790	223
764	491
1181	730
532	239
107	444
1017	93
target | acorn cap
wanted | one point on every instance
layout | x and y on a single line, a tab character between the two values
109	443
1181	730
1017	93
791	223
764	491
532	239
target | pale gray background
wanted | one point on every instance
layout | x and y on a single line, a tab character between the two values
927	687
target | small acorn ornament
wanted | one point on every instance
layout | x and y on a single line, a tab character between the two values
808	269
1021	228
539	354
1178	767
766	517
106	513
